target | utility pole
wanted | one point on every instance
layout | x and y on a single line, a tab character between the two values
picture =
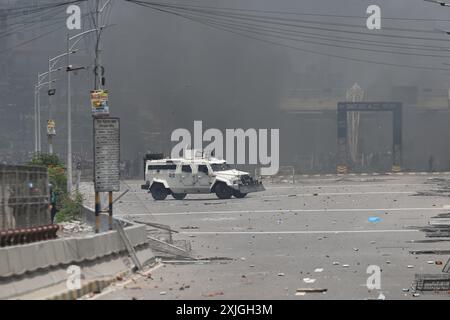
98	65
98	70
37	103
50	133
69	122
69	70
36	127
39	120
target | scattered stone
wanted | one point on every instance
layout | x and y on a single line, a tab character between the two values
311	290
335	263
309	280
75	227
318	270
214	294
345	265
162	293
410	266
189	228
281	274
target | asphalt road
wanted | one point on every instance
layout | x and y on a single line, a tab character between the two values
279	238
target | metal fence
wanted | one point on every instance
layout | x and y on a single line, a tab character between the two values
432	282
24	197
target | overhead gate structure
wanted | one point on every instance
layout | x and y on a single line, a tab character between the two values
342	128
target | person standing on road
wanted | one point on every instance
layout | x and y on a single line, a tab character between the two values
53	199
431	163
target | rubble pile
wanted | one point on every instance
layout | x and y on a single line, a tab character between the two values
77	228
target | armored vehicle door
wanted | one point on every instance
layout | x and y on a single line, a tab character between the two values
187	177
204	177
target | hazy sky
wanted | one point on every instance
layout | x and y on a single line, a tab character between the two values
179	70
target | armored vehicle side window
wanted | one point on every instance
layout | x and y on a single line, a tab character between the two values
203	168
187	169
162	167
220	167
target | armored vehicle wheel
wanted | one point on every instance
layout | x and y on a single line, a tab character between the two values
159	192
238	194
223	191
179	196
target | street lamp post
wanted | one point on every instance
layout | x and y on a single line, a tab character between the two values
69	122
37	105
69	103
51	92
36	127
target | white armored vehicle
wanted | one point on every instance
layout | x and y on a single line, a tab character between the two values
195	174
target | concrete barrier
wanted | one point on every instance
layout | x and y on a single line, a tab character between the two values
32	267
17	260
28	269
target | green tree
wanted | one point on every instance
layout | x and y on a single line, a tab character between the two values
69	208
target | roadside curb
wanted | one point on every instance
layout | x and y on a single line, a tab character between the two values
95	286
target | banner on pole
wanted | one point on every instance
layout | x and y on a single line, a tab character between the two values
51	131
99	103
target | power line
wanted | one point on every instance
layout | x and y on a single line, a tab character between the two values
227	29
303	26
347	39
289	12
27	10
28	24
31	40
37	37
366	42
283	34
242	15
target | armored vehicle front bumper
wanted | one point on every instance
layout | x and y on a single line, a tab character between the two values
248	185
